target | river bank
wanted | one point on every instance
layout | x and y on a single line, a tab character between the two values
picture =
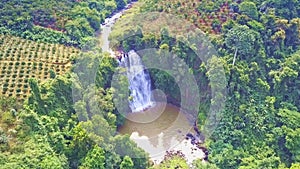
106	29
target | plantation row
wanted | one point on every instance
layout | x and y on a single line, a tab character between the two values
17	49
22	59
206	15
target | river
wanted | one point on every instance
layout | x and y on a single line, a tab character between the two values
106	28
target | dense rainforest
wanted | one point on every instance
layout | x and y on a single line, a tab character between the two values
68	119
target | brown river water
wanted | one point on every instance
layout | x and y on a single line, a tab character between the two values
159	129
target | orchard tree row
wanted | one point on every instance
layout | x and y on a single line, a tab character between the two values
22	59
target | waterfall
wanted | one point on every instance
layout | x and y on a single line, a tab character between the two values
139	82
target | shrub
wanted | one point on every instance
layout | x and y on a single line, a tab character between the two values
7	118
249	9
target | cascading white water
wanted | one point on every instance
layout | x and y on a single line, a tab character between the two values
139	82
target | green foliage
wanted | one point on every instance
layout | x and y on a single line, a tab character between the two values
247	42
88	43
38	33
35	153
173	163
106	71
198	164
66	22
289	135
164	47
78	29
79	146
251	133
260	124
121	3
295	166
286	76
126	163
83	11
52	74
4	140
249	8
7	103
25	20
162	80
293	143
96	111
257	26
288	9
125	147
7	117
94	159
80	108
209	6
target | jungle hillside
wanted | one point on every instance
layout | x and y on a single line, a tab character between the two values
58	99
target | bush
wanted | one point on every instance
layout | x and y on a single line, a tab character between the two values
4	31
249	9
7	117
3	139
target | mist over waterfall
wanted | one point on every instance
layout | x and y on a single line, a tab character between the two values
139	82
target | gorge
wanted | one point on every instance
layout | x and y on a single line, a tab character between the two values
156	127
